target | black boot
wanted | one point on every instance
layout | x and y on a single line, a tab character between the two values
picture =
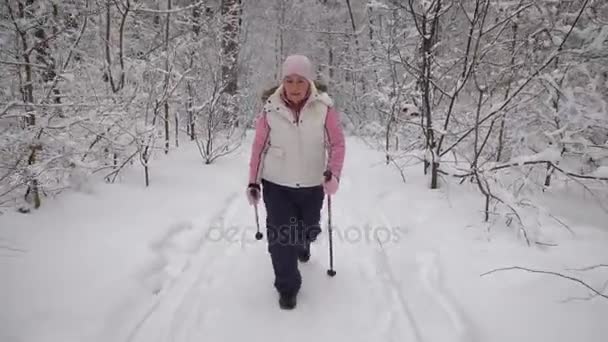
304	252
287	301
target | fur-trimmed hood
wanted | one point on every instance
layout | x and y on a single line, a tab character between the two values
318	86
274	101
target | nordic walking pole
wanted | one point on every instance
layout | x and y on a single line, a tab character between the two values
258	235
330	272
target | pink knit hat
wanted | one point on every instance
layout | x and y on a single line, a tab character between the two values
299	65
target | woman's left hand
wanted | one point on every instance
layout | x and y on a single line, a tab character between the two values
330	185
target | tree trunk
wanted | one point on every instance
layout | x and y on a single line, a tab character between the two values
558	126
116	86
356	77
196	18
231	14
279	47
372	43
32	193
426	102
147	173
387	138
145	155
548	175
429	28
167	78
190	113
503	118
166	107
176	129
189	104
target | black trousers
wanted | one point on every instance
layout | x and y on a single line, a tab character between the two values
292	222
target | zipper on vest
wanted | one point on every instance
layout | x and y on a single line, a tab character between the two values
297	119
299	137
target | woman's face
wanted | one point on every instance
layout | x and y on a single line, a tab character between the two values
296	88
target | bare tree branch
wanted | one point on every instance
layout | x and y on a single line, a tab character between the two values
12	249
39	66
7	107
533	162
175	10
47	105
588	268
549	273
589	297
562	223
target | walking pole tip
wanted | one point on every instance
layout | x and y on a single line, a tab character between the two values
258	234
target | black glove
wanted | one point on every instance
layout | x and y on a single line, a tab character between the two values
253	193
327	174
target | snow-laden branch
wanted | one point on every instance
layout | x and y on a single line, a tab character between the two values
7	107
174	10
588	268
40	66
45	105
601	176
311	30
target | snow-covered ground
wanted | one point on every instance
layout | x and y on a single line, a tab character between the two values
178	262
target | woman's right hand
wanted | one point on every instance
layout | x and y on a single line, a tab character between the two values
253	193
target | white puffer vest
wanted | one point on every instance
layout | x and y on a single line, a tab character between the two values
296	154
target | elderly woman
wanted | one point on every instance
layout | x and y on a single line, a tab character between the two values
296	158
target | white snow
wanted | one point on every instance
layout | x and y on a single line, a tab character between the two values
497	106
437	127
557	132
601	171
68	76
600	40
178	262
376	5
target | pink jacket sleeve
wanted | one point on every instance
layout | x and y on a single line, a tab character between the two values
262	133
335	142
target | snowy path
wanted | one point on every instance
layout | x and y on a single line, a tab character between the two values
178	262
223	291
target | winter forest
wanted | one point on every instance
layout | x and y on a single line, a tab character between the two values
472	89
506	101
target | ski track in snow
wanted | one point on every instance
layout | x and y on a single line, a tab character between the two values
9	249
400	324
427	307
418	307
177	276
400	311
